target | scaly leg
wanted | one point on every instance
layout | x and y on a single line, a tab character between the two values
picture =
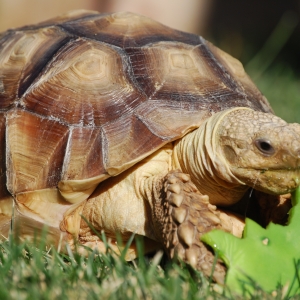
181	216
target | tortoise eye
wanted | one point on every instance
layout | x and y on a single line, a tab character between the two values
264	146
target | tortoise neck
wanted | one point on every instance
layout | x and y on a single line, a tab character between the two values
199	154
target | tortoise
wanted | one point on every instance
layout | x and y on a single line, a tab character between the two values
119	122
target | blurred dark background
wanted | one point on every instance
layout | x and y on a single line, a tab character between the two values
243	27
263	34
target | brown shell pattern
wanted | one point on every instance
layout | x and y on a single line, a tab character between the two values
88	94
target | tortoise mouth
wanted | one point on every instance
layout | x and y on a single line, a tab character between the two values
290	169
278	181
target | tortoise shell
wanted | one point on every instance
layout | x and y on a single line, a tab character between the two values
86	95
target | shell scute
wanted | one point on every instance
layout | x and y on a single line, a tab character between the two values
84	157
79	14
161	118
253	97
36	148
87	83
162	68
22	58
124	30
126	141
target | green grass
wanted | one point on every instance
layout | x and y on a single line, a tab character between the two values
28	272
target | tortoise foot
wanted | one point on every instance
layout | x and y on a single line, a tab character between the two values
187	216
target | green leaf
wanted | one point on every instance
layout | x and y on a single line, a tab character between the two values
267	257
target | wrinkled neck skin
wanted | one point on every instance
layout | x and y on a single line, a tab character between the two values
199	155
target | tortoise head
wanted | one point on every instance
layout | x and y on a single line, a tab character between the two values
261	150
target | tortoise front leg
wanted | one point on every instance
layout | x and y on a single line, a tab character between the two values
181	216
